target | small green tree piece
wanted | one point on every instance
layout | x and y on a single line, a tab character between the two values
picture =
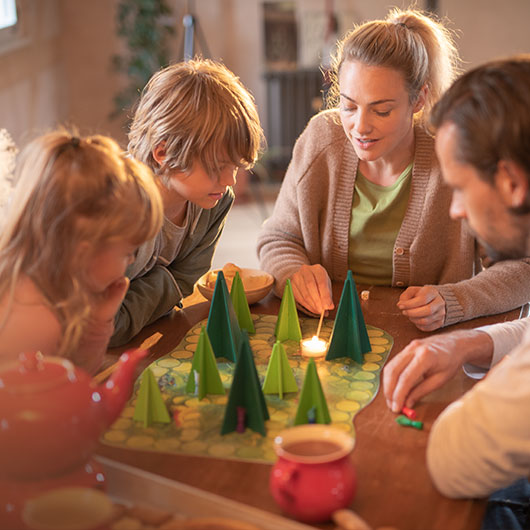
312	407
240	303
361	325
205	366
279	377
246	400
288	325
349	337
223	327
150	406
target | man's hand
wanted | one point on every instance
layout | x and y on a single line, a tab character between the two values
110	300
424	306
426	364
312	288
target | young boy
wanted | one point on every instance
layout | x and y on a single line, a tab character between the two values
195	126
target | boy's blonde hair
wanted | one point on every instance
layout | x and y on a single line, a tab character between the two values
200	110
410	42
70	190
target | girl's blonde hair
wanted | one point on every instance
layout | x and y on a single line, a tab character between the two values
410	42
70	190
200	109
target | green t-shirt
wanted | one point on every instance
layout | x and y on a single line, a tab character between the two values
377	214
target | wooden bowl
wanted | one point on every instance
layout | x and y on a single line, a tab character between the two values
256	283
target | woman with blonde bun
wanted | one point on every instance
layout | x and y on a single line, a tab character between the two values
364	192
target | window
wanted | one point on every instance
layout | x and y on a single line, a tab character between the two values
8	13
14	30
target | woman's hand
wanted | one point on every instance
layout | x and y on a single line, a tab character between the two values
312	288
424	306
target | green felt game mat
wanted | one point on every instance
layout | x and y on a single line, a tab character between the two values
348	388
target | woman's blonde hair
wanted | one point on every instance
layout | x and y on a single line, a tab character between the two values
199	109
412	43
70	190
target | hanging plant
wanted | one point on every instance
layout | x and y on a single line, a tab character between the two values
145	25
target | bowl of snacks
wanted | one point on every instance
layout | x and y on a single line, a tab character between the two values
256	283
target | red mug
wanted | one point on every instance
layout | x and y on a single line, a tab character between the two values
314	474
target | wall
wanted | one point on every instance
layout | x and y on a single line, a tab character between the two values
88	42
32	95
63	74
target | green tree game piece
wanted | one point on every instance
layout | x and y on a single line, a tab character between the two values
223	327
245	393
363	333
312	407
240	303
150	406
288	325
349	337
279	377
205	366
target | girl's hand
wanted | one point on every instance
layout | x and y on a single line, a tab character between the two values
110	300
424	306
312	288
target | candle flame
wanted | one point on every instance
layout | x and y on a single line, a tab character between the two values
314	345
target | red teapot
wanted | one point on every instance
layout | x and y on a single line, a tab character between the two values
51	417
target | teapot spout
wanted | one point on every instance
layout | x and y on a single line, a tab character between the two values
117	390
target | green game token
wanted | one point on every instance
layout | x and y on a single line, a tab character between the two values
403	420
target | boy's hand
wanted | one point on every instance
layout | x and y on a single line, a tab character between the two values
110	300
312	288
426	364
424	306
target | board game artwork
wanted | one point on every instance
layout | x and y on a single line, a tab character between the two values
269	386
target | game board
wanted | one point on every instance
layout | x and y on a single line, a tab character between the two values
348	388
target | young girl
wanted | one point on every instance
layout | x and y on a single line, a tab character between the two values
78	213
364	192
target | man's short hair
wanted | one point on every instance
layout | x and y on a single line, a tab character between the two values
490	107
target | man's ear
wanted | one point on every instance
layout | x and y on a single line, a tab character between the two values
512	183
159	153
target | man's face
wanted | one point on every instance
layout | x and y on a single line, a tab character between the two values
485	208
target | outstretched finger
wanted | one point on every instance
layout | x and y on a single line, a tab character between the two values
412	375
392	373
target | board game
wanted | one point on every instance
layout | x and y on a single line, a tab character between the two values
196	425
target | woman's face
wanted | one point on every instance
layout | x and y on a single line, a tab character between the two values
375	110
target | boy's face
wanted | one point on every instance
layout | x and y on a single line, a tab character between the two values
199	187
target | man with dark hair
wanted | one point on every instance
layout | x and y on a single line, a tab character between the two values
481	442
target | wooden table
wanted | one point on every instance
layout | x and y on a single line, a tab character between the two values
394	488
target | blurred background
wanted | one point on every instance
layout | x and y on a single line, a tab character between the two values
82	63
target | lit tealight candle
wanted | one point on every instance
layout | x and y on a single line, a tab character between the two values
314	347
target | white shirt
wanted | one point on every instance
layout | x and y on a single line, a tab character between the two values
506	337
481	442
